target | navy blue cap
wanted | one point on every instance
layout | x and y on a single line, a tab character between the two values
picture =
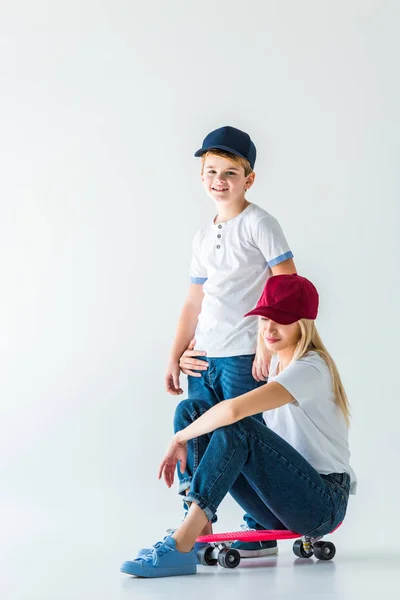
231	140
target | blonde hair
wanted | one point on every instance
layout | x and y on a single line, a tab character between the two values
310	341
228	155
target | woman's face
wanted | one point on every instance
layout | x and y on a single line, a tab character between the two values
279	337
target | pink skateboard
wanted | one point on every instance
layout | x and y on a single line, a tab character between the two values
304	547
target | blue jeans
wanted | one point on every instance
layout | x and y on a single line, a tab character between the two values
266	476
224	379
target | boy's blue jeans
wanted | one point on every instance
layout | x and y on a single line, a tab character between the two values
266	476
224	379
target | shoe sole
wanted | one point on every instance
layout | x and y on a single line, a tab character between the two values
137	571
257	553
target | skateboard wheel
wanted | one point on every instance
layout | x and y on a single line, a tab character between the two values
299	550
205	556
324	550
229	558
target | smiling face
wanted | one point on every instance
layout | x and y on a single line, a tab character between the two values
224	179
279	337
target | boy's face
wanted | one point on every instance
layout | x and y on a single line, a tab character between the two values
224	180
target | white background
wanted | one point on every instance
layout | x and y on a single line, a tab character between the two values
103	104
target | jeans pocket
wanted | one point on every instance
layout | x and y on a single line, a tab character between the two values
336	481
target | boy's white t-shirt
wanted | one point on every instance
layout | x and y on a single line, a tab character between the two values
313	424
233	261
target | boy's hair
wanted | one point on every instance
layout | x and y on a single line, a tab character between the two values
243	162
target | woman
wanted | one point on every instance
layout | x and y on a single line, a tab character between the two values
293	473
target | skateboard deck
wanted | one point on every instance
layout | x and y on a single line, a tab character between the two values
260	535
253	535
228	557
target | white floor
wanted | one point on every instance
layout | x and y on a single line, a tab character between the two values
63	538
72	563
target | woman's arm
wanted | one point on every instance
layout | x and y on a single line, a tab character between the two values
269	396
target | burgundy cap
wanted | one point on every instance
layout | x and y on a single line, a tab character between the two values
287	299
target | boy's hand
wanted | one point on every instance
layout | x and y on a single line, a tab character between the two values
172	384
188	362
260	369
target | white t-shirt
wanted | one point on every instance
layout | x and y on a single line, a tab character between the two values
233	261
313	424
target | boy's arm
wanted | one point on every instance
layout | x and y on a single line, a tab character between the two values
262	359
287	267
184	334
272	243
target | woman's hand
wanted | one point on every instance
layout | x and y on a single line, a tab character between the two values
262	360
177	451
260	368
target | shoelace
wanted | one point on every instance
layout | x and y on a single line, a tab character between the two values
156	552
245	527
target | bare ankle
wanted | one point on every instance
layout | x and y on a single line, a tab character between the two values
182	547
207	530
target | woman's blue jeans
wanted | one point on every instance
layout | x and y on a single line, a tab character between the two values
266	476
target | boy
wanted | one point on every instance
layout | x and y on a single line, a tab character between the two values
232	258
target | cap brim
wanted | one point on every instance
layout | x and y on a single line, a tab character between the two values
278	316
230	150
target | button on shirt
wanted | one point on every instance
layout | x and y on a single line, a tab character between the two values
232	261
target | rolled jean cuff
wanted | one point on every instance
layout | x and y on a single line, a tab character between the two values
183	486
208	508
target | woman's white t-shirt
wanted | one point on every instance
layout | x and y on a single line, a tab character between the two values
313	424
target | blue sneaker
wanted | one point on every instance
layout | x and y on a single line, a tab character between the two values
255	549
163	560
144	551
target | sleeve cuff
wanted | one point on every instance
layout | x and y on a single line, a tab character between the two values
279	259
